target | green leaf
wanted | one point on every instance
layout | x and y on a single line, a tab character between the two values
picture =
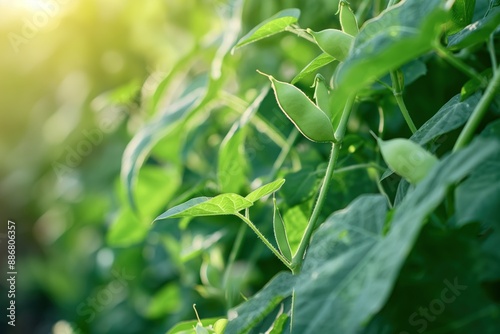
265	190
317	63
451	116
280	233
351	267
233	165
311	121
477	32
385	43
143	142
300	187
273	25
251	312
461	15
225	204
478	197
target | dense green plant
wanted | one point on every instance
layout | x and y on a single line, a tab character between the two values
401	255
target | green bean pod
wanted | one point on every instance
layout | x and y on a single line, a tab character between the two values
407	158
321	93
348	20
334	42
280	233
310	120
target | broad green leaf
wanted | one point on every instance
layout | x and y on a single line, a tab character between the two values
451	116
461	15
334	42
187	327
140	146
265	190
478	197
155	187
317	63
311	121
280	233
476	32
385	43
351	267
300	187
225	204
233	165
273	25
247	315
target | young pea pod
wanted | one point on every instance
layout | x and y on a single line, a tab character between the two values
321	93
334	42
407	158
348	20
310	120
280	233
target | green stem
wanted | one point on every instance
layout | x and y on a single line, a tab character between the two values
304	242
300	32
284	153
334	154
457	63
397	89
479	112
232	256
491	50
264	239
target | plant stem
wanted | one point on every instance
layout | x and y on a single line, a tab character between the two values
284	152
457	63
334	154
397	90
304	242
264	239
479	112
300	32
232	256
491	50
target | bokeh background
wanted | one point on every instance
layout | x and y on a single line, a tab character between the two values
75	81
